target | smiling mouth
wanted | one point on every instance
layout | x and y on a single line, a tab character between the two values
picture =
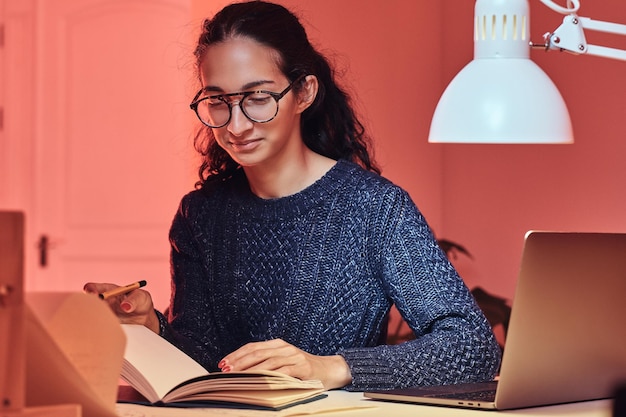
245	145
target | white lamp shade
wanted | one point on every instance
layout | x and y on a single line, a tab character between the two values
501	96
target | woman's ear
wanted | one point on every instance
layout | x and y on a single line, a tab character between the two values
307	93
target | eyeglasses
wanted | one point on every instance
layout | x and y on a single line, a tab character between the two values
259	106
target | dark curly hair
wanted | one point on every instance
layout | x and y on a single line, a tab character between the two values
329	126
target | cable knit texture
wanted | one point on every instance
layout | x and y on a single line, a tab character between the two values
320	270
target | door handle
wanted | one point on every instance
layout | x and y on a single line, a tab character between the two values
43	246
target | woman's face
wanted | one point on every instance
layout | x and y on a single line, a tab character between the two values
240	65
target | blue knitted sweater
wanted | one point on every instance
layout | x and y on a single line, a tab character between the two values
320	270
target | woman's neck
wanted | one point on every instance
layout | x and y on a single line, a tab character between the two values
289	178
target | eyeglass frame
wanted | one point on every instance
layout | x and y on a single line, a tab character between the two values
244	94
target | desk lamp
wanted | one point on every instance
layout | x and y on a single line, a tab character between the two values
502	96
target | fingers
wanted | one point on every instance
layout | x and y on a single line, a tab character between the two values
136	301
134	307
273	355
118	304
278	355
98	287
252	354
130	301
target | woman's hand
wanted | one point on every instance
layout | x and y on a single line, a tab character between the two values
135	307
278	355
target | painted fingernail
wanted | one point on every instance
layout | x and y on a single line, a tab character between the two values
221	364
126	306
227	368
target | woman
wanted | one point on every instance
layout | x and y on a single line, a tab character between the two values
291	251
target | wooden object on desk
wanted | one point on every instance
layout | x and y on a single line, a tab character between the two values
74	351
12	326
62	410
60	354
11	311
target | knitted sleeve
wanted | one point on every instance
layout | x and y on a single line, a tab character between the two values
189	324
453	340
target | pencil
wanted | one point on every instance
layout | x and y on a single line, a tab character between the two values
122	290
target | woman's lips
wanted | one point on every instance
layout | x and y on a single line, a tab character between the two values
245	145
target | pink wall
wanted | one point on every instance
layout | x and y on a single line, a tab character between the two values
399	56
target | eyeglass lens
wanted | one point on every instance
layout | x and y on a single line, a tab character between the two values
258	107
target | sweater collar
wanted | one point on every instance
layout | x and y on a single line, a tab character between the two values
316	194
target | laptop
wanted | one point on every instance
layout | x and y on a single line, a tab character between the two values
566	340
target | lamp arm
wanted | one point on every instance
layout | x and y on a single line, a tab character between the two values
570	37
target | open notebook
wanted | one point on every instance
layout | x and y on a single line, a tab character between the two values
566	338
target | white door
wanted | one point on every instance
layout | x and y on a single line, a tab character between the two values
112	132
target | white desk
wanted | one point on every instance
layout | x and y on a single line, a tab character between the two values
353	404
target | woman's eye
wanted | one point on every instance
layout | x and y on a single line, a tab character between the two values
215	103
258	99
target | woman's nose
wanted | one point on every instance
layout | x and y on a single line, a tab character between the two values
238	123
